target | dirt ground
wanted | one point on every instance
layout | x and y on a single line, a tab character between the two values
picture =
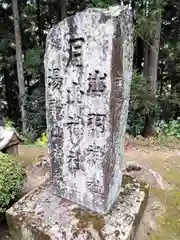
161	219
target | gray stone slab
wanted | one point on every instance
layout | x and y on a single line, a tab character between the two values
40	215
88	70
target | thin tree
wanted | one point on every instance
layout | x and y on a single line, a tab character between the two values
82	5
19	63
38	15
151	59
63	9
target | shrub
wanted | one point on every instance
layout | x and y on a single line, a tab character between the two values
12	177
35	106
9	123
42	141
171	129
139	106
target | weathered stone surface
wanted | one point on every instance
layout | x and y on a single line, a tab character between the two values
41	215
88	68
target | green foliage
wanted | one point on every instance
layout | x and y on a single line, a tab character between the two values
146	18
135	123
36	113
33	61
139	94
9	123
171	129
12	177
101	3
28	139
42	141
140	104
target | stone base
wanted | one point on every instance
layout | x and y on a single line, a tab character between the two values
40	215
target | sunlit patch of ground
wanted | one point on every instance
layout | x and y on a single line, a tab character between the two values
161	220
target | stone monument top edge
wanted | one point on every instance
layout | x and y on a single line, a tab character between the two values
111	11
115	10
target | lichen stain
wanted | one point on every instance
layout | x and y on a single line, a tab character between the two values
86	219
144	187
24	229
126	180
117	233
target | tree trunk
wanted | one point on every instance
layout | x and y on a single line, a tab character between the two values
38	15
138	54
63	10
82	5
50	14
150	73
19	64
146	55
160	76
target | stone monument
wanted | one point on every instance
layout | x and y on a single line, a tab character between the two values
88	69
88	66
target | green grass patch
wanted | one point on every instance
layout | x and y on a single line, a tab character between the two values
169	222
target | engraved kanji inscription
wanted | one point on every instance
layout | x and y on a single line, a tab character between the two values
56	131
74	161
55	109
75	52
74	115
95	149
75	94
52	107
94	186
54	115
75	133
55	103
74	105
54	78
96	124
59	113
52	103
60	173
97	82
119	79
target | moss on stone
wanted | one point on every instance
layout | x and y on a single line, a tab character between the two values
144	187
87	219
127	180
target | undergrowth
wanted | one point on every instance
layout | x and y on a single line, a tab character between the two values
12	177
42	141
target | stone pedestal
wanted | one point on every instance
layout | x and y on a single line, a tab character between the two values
40	215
